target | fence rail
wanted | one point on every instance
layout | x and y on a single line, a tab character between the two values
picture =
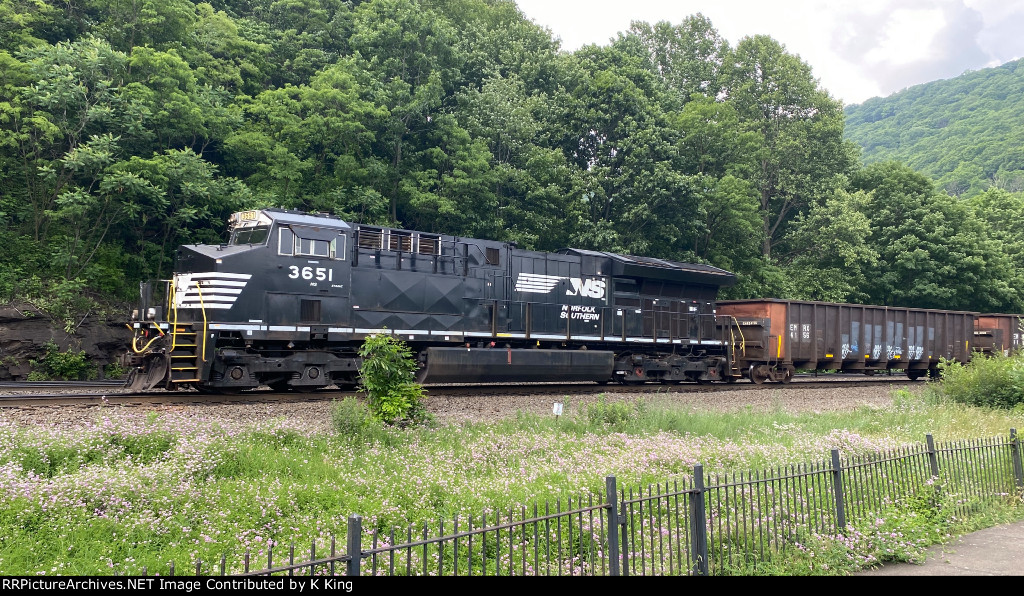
701	525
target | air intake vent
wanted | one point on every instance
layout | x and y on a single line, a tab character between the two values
309	311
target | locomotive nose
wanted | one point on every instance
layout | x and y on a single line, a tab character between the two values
191	257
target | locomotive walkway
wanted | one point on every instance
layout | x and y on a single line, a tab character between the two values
993	551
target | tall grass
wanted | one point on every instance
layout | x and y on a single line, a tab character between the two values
138	489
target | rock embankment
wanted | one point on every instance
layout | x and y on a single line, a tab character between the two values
25	331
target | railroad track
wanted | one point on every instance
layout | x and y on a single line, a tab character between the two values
30	396
34	385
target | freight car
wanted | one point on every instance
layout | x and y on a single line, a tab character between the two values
998	333
781	336
288	299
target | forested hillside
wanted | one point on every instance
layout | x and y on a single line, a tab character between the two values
128	127
966	132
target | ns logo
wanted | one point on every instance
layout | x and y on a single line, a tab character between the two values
539	283
590	288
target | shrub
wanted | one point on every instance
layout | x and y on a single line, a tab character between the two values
386	376
352	418
996	381
67	366
115	370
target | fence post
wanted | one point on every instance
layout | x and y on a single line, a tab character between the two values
355	547
837	489
624	530
1018	467
933	457
698	524
612	498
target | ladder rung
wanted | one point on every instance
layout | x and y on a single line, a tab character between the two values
185	368
185	380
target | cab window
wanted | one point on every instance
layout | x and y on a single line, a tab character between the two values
253	235
304	242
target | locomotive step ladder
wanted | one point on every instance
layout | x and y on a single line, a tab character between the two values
184	356
735	345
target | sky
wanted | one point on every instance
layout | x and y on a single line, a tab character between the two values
857	49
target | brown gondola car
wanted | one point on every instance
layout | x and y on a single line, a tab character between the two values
998	333
773	338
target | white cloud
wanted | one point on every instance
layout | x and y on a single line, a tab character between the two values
857	49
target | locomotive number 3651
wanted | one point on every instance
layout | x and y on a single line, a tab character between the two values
319	273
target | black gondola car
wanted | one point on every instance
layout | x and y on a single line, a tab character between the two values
289	299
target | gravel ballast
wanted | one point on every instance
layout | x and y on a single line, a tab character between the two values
316	415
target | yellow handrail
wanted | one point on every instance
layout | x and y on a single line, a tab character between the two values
202	306
743	339
172	304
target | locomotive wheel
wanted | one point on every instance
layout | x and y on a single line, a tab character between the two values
758	373
787	375
914	375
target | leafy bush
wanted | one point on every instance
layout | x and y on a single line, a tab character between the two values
65	301
115	370
352	418
996	381
67	366
386	376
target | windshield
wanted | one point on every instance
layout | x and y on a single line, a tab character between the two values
253	235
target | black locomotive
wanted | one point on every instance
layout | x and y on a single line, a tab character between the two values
289	299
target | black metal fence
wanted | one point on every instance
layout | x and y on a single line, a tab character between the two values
702	525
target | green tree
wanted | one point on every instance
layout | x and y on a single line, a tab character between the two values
310	146
801	149
1001	212
406	54
75	94
525	181
629	193
690	57
830	250
175	198
932	251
